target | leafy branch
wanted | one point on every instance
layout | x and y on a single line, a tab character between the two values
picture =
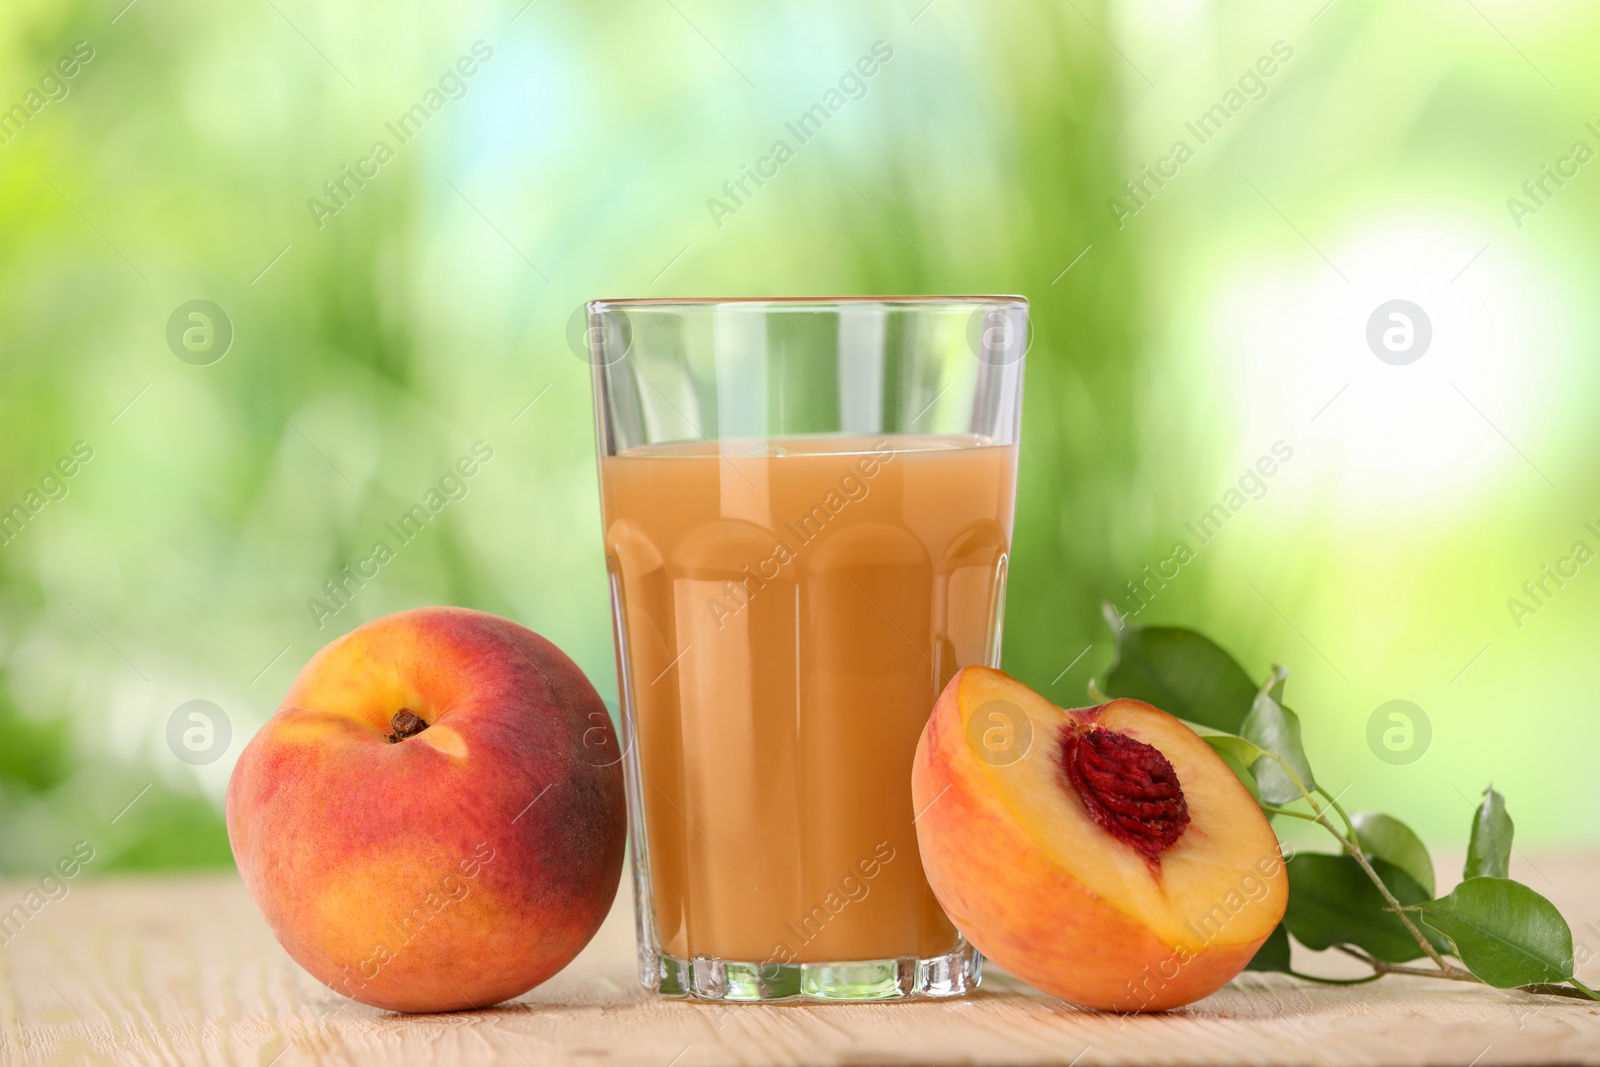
1374	900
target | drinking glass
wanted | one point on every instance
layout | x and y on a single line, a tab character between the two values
807	509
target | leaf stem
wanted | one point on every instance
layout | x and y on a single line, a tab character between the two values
1422	972
1395	906
1353	850
1551	989
1591	994
1554	989
1273	809
1334	803
1364	979
1382	967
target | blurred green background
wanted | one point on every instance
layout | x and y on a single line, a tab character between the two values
1181	332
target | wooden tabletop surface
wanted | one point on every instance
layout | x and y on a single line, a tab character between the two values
181	970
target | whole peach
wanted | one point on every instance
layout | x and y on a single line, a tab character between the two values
434	818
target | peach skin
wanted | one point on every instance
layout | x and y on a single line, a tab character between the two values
434	818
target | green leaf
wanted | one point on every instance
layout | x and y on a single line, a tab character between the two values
1504	932
1273	955
1489	847
1333	902
1276	729
1387	838
1233	745
1235	751
1181	672
1241	771
1281	674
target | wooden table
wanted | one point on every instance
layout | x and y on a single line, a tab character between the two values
183	970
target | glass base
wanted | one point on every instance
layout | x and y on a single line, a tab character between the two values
708	978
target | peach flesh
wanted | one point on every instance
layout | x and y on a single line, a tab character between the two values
1021	863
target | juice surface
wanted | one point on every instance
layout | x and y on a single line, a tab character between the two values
792	609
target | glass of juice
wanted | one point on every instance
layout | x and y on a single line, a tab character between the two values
807	508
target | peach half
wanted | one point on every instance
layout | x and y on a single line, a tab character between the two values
1105	855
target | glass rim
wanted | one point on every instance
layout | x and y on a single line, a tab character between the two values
816	302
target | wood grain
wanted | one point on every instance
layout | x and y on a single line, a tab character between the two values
184	971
